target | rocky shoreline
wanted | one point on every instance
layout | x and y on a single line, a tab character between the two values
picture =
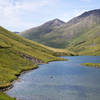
33	59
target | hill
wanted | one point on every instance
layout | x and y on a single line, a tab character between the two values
81	34
39	32
18	54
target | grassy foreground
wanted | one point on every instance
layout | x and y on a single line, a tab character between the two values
92	64
5	97
18	54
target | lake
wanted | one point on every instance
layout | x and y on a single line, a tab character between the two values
60	80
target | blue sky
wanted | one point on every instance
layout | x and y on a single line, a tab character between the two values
19	15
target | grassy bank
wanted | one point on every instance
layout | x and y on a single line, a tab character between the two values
5	97
92	64
18	54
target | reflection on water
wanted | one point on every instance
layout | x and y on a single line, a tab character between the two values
63	80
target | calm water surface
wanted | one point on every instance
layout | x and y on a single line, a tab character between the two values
60	80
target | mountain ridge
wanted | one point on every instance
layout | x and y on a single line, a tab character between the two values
43	29
75	31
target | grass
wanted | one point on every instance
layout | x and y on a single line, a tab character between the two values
92	64
18	54
88	43
5	97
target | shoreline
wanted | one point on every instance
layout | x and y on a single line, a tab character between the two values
6	88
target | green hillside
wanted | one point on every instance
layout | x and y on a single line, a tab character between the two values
71	31
88	43
18	54
81	34
37	33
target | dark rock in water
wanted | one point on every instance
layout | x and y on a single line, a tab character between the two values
51	77
16	32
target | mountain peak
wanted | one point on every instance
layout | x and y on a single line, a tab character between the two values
55	22
56	19
94	12
43	29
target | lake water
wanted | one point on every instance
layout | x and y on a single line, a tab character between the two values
60	80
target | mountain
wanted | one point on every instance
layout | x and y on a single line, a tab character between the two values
39	32
16	32
18	54
81	34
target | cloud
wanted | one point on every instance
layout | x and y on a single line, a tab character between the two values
23	14
12	12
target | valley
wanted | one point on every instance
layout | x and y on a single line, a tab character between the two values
73	46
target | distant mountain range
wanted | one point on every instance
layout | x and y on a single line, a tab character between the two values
80	34
16	32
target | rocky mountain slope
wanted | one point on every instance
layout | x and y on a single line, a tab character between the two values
80	34
39	32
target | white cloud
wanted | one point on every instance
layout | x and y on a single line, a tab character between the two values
21	14
12	11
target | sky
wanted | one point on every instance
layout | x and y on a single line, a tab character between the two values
19	15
